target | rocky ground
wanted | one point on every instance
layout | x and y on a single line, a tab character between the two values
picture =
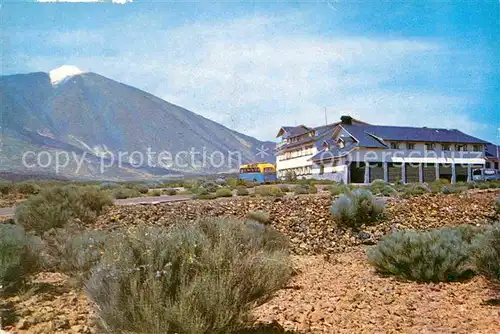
9	200
344	295
307	221
335	290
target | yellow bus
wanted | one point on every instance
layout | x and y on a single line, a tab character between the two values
260	172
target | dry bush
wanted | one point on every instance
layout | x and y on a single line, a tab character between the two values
72	251
356	208
260	217
242	192
223	192
337	189
194	278
123	193
141	188
18	257
301	189
432	256
55	207
6	187
268	190
28	188
171	192
418	189
453	189
497	205
486	253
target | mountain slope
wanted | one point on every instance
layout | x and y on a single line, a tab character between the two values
91	115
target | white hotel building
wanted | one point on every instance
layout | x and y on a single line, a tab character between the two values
353	151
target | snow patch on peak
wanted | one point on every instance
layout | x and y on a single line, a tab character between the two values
61	73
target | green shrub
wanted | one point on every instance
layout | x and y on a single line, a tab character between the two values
453	189
210	187
268	190
377	186
338	189
382	188
18	256
28	188
195	278
312	189
224	192
483	185
437	185
285	189
388	191
276	191
472	185
55	207
486	253
357	208
123	193
73	252
496	205
326	182
205	196
108	185
493	184
260	217
301	190
141	188
6	187
430	256
156	193
184	192
416	189
89	202
242	192
171	192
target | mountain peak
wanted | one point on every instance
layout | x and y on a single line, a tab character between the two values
61	73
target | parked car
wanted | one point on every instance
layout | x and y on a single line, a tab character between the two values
484	174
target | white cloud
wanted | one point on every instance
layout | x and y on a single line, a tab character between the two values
256	74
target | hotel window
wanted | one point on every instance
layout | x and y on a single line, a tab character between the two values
446	147
395	146
411	146
429	146
477	148
459	147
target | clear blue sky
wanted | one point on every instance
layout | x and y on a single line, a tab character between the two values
254	66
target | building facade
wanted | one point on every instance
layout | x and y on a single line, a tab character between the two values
492	156
352	151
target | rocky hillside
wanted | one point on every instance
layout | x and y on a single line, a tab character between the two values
307	221
88	115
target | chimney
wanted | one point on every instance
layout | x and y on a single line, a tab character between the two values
346	120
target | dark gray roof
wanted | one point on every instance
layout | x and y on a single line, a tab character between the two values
492	151
334	152
293	131
404	133
364	138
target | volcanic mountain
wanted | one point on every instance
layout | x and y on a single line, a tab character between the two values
72	115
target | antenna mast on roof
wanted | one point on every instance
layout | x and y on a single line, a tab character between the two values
326	118
498	142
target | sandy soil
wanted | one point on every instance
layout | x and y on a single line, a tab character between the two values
345	295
